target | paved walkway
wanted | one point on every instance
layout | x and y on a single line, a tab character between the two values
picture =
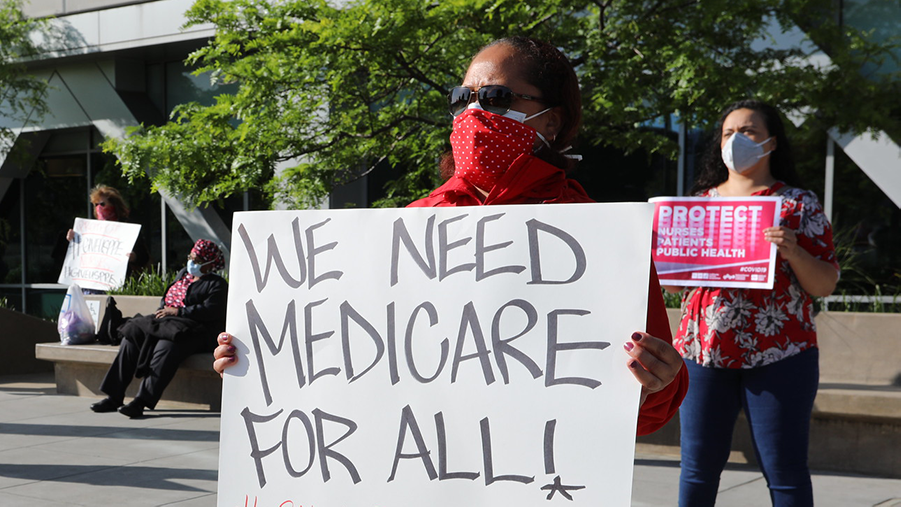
56	452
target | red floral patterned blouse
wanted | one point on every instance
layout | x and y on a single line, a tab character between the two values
175	296
749	328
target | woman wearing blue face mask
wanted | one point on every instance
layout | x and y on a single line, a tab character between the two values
754	349
152	346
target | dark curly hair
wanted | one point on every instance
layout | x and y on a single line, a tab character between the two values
782	164
546	68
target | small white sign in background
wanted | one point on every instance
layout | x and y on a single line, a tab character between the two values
97	257
434	356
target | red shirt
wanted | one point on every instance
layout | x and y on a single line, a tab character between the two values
530	180
749	328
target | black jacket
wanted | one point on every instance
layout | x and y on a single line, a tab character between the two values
205	301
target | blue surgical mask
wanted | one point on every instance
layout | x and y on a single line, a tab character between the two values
194	268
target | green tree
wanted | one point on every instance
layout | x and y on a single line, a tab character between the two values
22	96
348	90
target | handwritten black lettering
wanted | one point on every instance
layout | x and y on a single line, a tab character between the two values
258	327
408	424
502	348
444	247
470	320
408	343
348	313
553	346
488	459
427	264
482	249
310	338
443	474
534	227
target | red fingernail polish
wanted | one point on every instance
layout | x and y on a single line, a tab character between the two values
636	337
628	346
231	348
633	365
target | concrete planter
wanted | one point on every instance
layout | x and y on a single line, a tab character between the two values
860	348
21	333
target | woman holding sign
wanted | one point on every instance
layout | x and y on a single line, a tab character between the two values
153	346
108	204
755	349
515	116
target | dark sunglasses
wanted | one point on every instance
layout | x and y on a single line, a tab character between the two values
192	257
495	99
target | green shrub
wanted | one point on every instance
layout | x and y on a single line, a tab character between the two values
672	300
152	282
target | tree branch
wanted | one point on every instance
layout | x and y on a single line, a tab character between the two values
417	74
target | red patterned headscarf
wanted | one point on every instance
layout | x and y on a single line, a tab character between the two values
206	251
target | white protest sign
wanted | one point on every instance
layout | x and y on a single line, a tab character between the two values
97	257
434	356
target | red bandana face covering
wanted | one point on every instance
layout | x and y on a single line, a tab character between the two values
485	144
105	212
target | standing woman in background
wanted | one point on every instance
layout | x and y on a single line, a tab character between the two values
756	349
108	204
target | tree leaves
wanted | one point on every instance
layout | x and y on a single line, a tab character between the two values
22	96
345	91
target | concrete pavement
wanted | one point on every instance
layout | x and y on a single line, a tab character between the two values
55	452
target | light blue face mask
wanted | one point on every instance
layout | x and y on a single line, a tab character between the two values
195	269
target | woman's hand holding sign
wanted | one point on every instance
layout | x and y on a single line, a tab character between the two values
817	277
654	363
784	239
224	355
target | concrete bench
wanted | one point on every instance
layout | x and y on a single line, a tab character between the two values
79	369
856	420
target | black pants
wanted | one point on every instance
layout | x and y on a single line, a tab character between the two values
164	358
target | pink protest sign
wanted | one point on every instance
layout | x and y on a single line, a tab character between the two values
715	241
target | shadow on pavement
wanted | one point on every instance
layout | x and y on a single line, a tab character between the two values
131	476
114	432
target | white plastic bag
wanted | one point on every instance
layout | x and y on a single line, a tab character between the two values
75	324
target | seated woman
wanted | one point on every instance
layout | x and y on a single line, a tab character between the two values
153	346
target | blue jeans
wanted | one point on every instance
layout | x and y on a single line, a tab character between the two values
777	400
